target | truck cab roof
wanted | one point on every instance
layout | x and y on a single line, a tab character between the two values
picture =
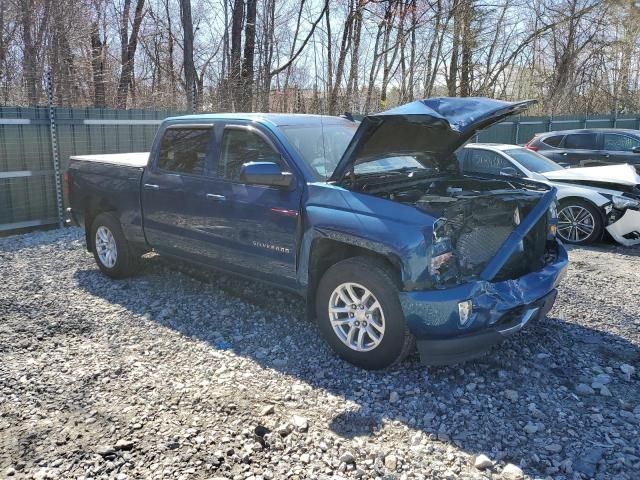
276	119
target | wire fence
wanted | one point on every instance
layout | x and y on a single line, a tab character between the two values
36	143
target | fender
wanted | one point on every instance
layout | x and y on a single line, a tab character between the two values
348	218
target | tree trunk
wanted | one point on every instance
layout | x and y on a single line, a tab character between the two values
237	17
375	67
249	56
97	65
352	82
129	44
452	79
29	54
189	66
467	45
344	49
170	48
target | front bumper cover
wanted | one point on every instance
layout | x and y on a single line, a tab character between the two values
466	347
626	230
499	309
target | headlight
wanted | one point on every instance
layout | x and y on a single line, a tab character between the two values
552	228
622	203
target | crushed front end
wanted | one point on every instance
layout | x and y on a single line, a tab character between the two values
495	265
622	217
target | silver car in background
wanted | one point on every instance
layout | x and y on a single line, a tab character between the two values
590	199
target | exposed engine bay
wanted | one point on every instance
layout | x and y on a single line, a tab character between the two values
474	218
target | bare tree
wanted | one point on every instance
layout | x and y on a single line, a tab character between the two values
189	67
128	46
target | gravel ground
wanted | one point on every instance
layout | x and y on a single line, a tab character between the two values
174	374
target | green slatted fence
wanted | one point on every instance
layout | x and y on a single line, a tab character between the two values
27	179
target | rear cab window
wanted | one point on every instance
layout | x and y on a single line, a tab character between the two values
184	149
581	141
240	145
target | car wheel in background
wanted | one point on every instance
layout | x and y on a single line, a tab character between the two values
579	222
359	313
110	248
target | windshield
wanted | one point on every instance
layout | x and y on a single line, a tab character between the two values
321	146
532	161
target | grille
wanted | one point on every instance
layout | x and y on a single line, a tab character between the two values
480	244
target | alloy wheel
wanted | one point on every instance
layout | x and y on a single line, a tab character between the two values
575	223
106	247
356	317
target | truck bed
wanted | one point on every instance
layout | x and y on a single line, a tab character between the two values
136	159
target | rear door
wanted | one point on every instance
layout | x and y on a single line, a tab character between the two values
581	149
177	198
258	225
618	148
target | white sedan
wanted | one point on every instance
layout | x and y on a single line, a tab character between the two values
590	199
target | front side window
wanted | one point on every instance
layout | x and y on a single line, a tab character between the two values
620	143
184	149
485	161
240	146
581	141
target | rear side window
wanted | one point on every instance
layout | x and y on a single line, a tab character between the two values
553	141
240	146
581	141
485	161
184	150
619	143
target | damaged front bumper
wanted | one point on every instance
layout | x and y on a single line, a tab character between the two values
499	309
626	230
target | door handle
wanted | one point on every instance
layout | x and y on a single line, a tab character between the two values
213	196
151	186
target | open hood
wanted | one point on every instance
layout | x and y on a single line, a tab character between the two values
431	130
616	174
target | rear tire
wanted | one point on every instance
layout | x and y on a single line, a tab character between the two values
579	222
359	314
112	252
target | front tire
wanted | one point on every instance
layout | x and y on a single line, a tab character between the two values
579	222
111	250
359	313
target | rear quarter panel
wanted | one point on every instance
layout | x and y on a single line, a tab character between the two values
97	187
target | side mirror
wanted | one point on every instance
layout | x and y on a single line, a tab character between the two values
265	173
636	149
509	172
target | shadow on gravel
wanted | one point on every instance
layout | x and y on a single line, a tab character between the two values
530	401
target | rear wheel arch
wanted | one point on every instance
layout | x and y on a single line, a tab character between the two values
94	207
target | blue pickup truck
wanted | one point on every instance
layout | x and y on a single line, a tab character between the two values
371	222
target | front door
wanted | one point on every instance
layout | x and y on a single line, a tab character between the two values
581	150
259	224
619	148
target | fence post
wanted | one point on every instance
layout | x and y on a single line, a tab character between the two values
517	132
54	151
194	91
